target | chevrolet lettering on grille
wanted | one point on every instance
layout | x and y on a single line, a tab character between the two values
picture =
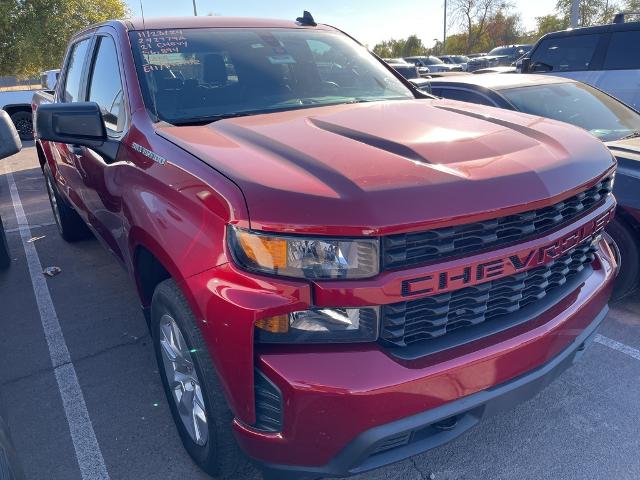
465	276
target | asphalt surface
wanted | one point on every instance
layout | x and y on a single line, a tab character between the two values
584	426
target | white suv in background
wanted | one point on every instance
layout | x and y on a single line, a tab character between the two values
605	56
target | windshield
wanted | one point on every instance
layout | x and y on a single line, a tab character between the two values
460	59
580	105
432	61
502	51
200	75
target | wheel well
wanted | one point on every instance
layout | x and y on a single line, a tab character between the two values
628	219
17	108
149	272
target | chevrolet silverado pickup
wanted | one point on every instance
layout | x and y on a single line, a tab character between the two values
338	270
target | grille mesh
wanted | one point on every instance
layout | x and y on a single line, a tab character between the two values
408	322
410	249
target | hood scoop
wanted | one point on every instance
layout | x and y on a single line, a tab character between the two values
371	140
529	132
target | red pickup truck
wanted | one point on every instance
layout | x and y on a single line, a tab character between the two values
338	270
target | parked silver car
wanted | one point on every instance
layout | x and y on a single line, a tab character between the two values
434	64
456	60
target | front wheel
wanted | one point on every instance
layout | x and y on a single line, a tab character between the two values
5	259
191	385
625	248
69	223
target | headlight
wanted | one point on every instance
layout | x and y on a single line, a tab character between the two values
327	325
303	257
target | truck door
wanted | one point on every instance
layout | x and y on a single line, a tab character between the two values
100	189
72	90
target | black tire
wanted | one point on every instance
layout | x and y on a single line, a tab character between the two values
5	258
71	227
23	122
626	246
220	456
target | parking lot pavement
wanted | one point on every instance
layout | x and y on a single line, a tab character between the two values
585	425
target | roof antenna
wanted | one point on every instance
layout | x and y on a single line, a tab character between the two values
306	19
144	27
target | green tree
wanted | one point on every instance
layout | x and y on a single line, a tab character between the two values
474	16
405	47
502	29
36	36
592	12
632	6
550	23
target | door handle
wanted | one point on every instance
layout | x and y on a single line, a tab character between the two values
76	149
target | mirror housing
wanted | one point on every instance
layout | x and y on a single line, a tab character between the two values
522	65
77	123
9	140
72	123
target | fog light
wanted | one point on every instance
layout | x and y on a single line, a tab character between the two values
326	325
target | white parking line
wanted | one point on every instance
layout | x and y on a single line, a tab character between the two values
621	347
85	443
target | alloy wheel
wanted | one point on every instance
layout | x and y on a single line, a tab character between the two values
183	380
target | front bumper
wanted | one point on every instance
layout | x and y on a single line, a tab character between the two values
398	440
349	409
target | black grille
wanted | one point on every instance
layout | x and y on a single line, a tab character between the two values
406	323
268	404
410	249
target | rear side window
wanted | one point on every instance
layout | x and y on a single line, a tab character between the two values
623	53
462	95
73	80
105	86
566	54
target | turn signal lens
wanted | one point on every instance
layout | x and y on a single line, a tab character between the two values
270	252
279	324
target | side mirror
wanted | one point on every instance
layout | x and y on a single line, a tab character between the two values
523	65
73	123
9	140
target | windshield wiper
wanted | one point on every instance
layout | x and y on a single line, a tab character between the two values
635	134
208	119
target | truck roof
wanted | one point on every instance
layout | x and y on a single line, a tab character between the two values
609	27
160	23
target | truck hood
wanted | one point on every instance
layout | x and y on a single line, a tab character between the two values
382	167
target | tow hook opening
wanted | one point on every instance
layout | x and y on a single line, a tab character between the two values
447	424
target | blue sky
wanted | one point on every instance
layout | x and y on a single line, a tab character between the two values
368	20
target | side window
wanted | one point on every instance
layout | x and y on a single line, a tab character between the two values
463	96
566	54
71	91
105	86
620	53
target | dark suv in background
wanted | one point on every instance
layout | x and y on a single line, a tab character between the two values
605	56
498	57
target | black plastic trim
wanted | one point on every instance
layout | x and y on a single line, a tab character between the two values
274	424
358	457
